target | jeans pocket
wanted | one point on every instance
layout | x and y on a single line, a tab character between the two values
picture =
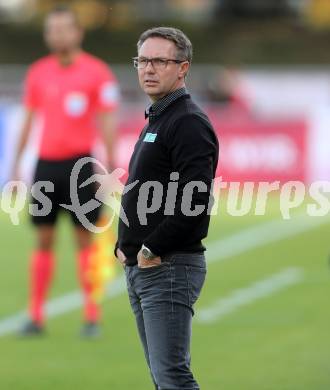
196	278
153	268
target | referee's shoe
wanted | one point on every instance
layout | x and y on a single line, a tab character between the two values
90	330
31	328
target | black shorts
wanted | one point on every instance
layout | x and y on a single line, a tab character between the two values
58	174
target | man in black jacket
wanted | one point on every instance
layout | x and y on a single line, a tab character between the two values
167	205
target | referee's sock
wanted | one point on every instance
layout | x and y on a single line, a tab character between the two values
91	308
41	273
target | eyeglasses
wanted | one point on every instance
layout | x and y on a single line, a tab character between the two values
157	63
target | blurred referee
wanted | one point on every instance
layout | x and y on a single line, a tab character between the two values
76	95
161	249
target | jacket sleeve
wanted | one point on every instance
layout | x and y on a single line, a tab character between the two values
193	150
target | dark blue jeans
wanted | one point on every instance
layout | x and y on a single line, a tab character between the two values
162	299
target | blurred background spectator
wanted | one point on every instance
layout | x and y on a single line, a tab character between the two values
227	88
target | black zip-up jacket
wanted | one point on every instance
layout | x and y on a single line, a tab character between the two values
182	140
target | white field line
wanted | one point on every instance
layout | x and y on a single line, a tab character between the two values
260	235
247	295
235	244
59	306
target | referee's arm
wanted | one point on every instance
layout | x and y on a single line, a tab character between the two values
108	122
23	139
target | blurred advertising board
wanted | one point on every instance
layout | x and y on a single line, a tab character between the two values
10	122
262	150
251	148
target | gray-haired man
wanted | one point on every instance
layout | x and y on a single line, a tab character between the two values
174	162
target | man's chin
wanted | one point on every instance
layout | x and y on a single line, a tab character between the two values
151	89
153	93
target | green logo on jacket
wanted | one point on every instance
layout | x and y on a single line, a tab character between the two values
150	137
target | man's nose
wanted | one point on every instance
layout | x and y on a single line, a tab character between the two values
150	68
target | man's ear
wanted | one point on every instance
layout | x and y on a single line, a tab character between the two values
184	68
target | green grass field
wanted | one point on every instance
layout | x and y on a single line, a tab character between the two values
276	342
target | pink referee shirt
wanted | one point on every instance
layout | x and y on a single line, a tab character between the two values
68	100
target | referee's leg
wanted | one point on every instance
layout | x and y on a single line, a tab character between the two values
84	240
42	259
